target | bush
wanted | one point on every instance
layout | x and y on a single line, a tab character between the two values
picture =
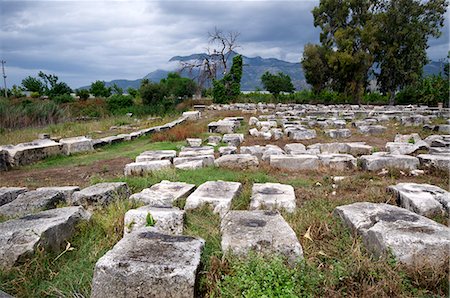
27	113
375	98
65	98
117	102
83	94
35	95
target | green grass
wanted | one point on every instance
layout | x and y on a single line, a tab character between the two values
129	149
71	274
80	128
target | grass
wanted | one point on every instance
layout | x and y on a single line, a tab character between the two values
335	262
71	274
95	129
124	149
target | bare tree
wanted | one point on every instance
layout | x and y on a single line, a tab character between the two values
205	68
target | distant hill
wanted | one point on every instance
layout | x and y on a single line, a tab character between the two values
253	69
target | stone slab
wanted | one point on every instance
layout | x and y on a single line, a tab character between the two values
156	155
237	161
76	145
49	229
273	196
167	220
9	194
295	162
340	162
101	194
424	199
438	161
149	264
32	201
414	240
376	162
265	232
146	167
164	193
67	191
217	194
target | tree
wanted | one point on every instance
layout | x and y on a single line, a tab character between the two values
206	67
133	92
315	66
403	28
229	87
115	89
83	94
277	83
349	40
179	87
46	84
152	93
33	84
99	89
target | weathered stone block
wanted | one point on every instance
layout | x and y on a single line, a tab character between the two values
32	201
340	162
218	194
237	161
265	232
167	220
378	161
164	193
156	155
76	145
9	194
146	167
295	162
101	194
424	199
438	161
273	196
148	264
49	229
414	240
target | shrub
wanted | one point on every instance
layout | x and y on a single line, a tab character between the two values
83	94
375	98
65	98
117	102
35	94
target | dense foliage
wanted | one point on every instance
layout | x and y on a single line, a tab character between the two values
278	83
46	84
99	89
229	87
386	39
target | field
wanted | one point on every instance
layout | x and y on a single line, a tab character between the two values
335	263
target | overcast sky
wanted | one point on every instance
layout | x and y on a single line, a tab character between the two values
84	41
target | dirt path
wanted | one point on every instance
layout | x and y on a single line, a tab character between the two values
67	175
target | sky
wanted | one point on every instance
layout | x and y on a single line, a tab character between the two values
85	41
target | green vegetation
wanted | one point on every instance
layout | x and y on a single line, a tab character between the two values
387	39
149	220
278	83
229	87
99	89
46	84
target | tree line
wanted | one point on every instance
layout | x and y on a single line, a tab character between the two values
361	40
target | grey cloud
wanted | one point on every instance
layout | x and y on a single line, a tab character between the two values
82	41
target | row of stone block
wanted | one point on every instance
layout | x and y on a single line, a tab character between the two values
27	153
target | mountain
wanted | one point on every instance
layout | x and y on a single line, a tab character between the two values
253	69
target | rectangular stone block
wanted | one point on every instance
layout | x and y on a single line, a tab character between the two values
217	194
146	263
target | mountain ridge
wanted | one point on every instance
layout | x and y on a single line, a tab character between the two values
253	69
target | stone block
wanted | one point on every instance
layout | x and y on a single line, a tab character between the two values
273	196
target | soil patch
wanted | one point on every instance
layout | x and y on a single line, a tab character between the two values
62	176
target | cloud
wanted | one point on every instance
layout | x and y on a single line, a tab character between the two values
84	41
